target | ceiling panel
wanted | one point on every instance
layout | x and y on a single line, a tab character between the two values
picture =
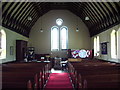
102	15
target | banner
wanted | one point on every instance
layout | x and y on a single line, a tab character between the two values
104	48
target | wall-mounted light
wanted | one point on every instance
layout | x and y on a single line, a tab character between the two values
41	30
29	18
77	30
87	18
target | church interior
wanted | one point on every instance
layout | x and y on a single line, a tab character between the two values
59	45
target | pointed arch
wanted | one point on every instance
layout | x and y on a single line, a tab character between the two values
64	37
2	44
118	43
59	36
54	38
113	44
96	46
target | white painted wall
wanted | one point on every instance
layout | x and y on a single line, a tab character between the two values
42	41
105	37
11	38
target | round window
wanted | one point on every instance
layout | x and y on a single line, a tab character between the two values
59	21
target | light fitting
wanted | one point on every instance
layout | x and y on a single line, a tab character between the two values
59	21
77	30
29	18
87	18
41	30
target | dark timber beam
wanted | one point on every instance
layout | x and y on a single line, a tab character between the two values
10	13
100	22
15	13
90	14
118	9
18	16
95	27
29	13
4	15
105	16
114	13
110	14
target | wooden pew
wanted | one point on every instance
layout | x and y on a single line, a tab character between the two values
103	81
20	73
92	68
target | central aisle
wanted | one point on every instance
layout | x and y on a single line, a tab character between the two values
59	81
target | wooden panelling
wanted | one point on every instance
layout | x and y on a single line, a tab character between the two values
102	15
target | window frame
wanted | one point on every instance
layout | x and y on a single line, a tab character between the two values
3	44
57	20
113	34
118	42
52	40
97	46
59	27
66	38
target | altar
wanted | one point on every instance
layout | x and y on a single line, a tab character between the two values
57	63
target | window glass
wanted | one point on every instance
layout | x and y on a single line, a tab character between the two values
96	46
2	44
59	36
64	37
55	38
59	21
118	44
113	44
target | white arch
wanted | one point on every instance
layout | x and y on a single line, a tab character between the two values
2	44
96	46
113	44
59	36
59	21
54	38
64	37
118	43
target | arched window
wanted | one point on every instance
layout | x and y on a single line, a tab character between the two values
59	21
2	44
118	43
96	46
54	38
64	37
59	36
113	44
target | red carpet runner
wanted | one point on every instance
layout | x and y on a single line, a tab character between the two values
59	81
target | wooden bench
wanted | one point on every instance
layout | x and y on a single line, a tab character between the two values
91	71
17	75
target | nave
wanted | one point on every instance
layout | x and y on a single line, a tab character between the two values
38	38
59	80
83	74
